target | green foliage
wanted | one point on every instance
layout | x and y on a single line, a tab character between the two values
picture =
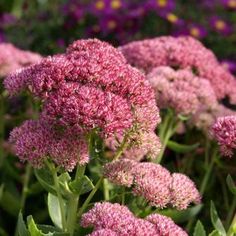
199	229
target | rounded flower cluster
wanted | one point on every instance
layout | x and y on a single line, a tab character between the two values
139	146
181	52
181	90
154	183
12	58
91	86
224	131
118	220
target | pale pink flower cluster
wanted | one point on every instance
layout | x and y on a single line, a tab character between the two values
181	52
91	86
12	58
114	219
181	90
140	145
154	183
224	131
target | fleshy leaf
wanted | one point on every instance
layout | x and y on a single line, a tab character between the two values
199	229
181	148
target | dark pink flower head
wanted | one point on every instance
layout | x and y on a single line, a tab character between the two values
90	86
224	131
154	183
35	140
166	225
181	90
183	191
103	232
12	58
181	52
118	220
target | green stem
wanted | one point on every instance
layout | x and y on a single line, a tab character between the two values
122	147
74	202
60	199
208	172
25	186
123	196
106	190
90	196
205	179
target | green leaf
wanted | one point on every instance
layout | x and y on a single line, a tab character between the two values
216	220
54	210
86	186
21	227
51	229
214	233
231	184
33	229
45	178
64	180
181	148
182	216
199	229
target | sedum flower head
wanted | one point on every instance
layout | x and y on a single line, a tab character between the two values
181	90
166	225
183	191
35	140
91	86
181	52
224	131
118	220
12	58
154	183
140	145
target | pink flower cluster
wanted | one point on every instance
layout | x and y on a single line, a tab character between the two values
154	183
35	140
224	131
181	52
113	219
90	86
12	58
181	90
139	146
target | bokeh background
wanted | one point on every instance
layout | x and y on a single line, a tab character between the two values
48	26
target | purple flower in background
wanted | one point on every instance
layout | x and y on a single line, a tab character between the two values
109	24
230	65
229	3
172	18
74	10
220	25
106	6
197	31
167	5
194	30
6	19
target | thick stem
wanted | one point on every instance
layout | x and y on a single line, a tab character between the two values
60	199
122	148
74	202
90	196
106	190
27	175
208	172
